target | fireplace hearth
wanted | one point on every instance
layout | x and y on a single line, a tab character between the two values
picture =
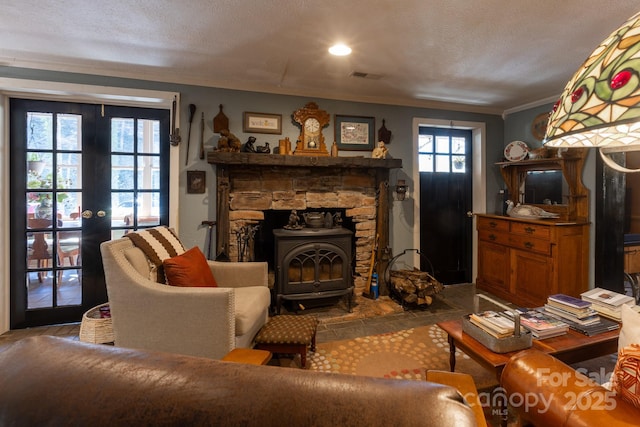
250	186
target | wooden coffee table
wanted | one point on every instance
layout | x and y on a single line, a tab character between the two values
569	348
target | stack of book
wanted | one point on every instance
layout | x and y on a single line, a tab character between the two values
571	308
493	323
578	314
540	324
608	303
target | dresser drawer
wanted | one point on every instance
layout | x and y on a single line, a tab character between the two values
493	237
539	246
531	230
632	259
492	224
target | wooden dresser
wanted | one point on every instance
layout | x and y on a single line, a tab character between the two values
525	260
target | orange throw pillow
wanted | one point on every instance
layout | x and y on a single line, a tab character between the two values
189	270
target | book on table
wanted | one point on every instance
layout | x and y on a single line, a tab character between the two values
578	312
605	325
570	301
593	328
492	321
540	324
612	313
488	329
607	298
565	315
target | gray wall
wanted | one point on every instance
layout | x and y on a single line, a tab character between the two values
194	208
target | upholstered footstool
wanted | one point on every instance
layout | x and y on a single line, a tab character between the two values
288	334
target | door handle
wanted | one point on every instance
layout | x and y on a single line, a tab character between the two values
87	214
470	214
101	214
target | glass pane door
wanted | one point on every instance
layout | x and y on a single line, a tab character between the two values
81	174
53	199
135	174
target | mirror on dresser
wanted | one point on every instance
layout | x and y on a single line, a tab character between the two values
544	187
553	183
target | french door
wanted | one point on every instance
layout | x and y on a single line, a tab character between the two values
444	158
81	174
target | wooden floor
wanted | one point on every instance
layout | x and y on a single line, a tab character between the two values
40	293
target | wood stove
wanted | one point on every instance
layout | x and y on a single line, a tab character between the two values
313	264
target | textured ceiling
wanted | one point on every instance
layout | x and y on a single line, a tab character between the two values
490	55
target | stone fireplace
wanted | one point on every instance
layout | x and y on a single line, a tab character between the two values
250	184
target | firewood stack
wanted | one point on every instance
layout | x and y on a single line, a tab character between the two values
414	287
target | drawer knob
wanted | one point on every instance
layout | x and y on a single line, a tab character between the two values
493	224
528	245
492	237
530	230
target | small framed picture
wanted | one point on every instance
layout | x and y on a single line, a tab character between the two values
262	123
354	132
196	182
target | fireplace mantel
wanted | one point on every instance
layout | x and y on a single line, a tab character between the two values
259	159
250	183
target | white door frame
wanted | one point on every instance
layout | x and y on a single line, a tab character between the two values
479	177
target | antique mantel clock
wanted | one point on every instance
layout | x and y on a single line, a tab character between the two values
311	120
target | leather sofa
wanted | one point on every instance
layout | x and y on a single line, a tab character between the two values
57	381
547	392
207	322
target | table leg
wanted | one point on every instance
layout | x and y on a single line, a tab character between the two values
452	353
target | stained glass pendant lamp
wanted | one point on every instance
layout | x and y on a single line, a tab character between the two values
600	106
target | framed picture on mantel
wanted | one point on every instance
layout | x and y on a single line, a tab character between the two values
354	132
262	123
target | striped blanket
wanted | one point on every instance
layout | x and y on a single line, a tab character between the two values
158	244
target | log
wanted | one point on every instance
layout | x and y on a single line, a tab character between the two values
414	287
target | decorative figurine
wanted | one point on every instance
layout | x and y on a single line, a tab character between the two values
263	149
380	152
528	211
328	220
228	141
337	219
248	146
294	221
334	149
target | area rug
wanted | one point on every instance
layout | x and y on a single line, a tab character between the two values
405	354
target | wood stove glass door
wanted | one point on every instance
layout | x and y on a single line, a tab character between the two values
315	267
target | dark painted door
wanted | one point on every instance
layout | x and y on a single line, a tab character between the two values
445	199
80	174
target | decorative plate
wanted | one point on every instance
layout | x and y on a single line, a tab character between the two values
539	126
515	151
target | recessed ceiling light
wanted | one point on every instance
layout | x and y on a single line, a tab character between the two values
340	49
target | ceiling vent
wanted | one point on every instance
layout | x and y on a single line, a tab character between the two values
361	75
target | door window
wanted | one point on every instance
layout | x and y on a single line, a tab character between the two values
135	174
445	198
81	174
53	200
442	153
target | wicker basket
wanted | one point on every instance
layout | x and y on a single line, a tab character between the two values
96	329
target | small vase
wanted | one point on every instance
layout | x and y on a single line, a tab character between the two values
44	210
35	166
334	150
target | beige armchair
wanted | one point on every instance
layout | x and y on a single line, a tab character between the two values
206	322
